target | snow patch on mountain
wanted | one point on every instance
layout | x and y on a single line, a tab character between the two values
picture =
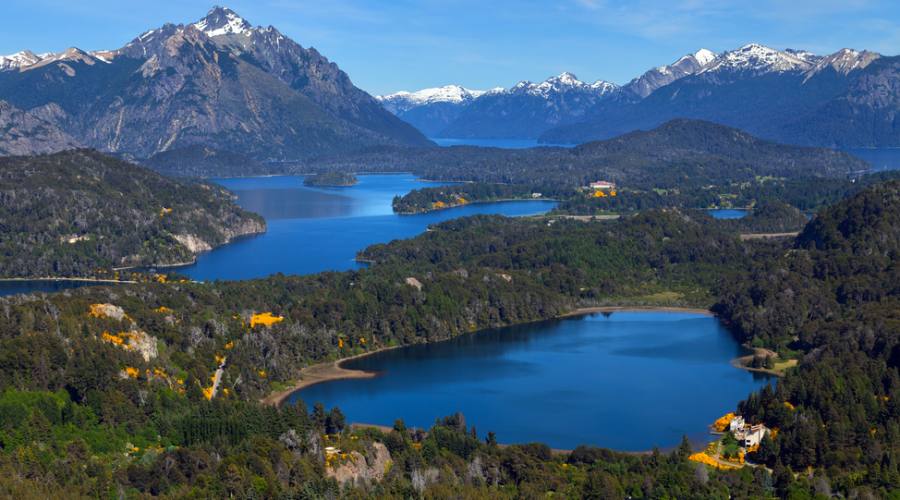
18	60
705	56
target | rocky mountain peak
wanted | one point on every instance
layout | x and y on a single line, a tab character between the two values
660	76
844	61
757	58
223	21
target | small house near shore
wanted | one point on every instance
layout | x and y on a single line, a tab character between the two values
748	435
603	185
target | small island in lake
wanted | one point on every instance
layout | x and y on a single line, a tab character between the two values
331	179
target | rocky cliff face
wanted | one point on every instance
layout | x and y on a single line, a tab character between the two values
359	468
32	132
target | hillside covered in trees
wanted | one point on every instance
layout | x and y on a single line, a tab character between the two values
120	379
832	300
682	163
79	213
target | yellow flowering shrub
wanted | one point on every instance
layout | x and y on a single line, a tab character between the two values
265	319
722	422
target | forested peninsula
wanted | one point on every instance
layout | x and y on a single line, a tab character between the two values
81	214
155	387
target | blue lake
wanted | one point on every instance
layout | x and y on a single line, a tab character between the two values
313	229
728	213
321	229
879	158
627	381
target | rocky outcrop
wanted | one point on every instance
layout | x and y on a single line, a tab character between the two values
193	243
358	468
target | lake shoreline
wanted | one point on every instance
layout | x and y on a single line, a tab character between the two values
324	372
333	370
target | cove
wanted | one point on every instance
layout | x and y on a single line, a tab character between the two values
321	229
728	213
626	381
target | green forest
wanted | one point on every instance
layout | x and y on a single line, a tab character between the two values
111	390
682	163
81	213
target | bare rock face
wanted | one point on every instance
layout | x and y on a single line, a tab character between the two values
415	283
143	343
314	446
32	132
358	468
422	478
193	243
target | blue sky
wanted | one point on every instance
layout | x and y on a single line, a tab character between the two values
388	45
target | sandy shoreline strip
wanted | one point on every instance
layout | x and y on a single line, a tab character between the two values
323	372
332	370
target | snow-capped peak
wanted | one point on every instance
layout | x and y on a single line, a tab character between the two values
561	83
222	21
565	78
18	60
705	56
447	93
758	58
404	100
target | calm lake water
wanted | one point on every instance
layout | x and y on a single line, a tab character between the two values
728	213
312	229
629	381
322	229
879	158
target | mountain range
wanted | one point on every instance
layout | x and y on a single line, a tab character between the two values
220	83
846	99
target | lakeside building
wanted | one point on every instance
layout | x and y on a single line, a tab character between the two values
603	185
748	435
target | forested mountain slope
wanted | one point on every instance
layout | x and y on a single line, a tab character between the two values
831	299
79	212
678	152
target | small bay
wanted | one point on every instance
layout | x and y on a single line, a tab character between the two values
627	380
